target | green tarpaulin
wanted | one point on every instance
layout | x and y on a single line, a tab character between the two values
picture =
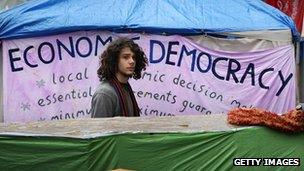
148	151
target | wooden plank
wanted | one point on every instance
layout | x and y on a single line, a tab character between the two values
86	128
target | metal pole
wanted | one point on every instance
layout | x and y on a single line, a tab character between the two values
1	83
301	71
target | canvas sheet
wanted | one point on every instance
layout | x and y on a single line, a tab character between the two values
54	77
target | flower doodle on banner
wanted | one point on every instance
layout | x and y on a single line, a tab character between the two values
40	83
25	107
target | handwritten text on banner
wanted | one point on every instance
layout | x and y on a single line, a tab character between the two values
54	77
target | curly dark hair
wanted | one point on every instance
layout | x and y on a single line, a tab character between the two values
108	61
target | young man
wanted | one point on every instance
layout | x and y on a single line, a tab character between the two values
123	59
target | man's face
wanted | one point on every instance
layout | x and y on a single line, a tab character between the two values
126	62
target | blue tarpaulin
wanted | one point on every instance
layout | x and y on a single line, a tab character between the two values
188	17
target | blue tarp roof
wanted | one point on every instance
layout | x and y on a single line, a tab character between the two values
190	17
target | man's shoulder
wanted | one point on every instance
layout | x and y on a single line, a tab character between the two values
105	88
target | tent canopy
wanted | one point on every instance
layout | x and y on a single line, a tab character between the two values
186	17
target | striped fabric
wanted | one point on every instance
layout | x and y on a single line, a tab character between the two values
122	98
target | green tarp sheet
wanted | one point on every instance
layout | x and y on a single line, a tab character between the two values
148	151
